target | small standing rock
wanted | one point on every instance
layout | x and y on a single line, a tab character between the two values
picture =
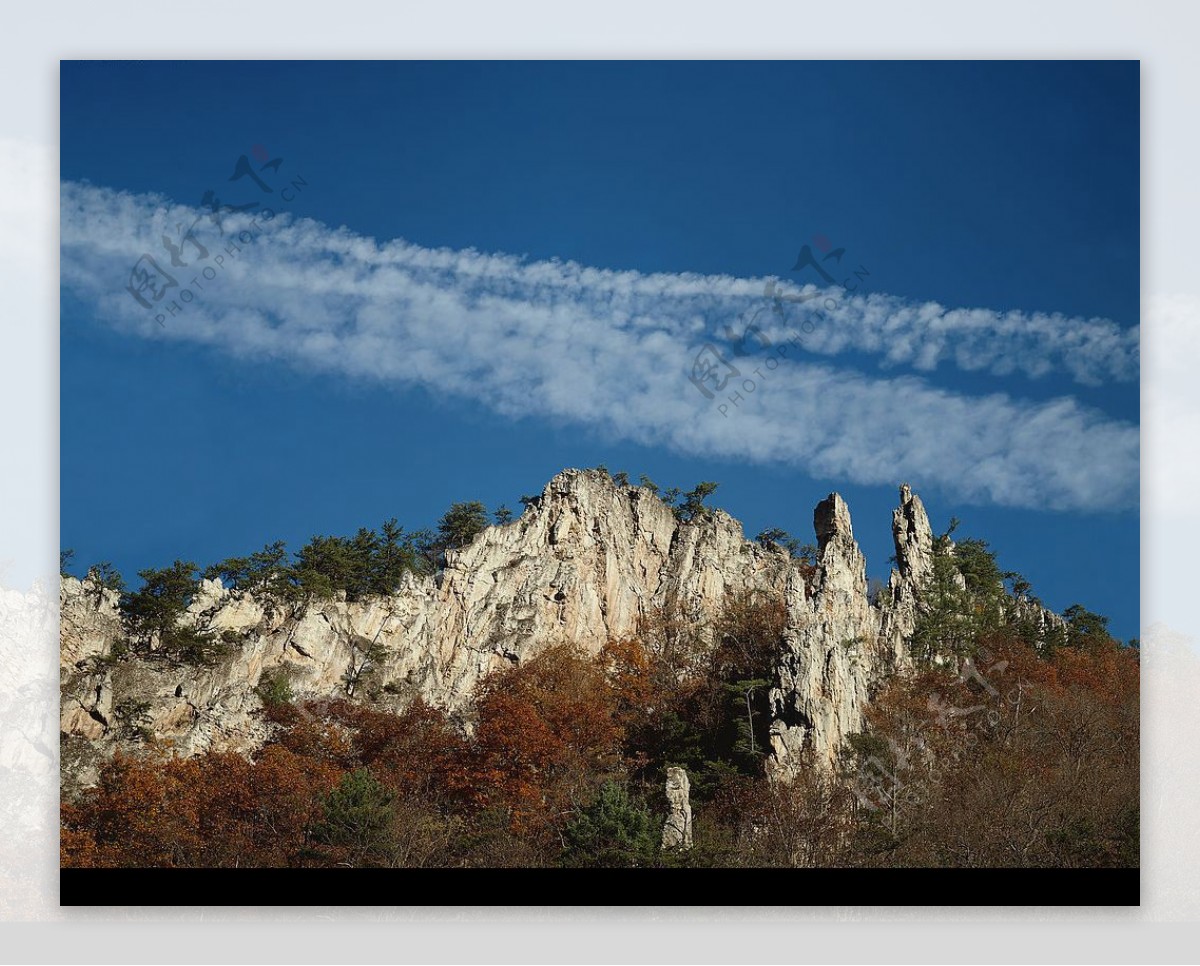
677	830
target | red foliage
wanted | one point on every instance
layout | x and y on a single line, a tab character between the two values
545	731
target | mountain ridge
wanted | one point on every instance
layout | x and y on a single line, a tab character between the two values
588	561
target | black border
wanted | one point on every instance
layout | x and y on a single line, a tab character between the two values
610	887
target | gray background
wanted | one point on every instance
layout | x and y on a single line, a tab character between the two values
34	38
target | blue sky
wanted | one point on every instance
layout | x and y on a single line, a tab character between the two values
274	407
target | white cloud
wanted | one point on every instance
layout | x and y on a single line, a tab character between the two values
613	349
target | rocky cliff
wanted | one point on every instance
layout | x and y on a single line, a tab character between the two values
585	562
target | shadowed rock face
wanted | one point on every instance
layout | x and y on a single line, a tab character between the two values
584	563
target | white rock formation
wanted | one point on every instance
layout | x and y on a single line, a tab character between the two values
913	539
584	563
677	829
831	654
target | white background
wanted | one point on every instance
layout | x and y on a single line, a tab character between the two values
1162	35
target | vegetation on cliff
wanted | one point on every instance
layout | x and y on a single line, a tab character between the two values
976	728
1019	757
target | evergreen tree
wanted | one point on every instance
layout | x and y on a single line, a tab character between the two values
964	600
461	524
614	831
323	567
233	572
358	815
742	698
1084	628
154	613
394	555
363	553
104	576
268	571
781	538
692	507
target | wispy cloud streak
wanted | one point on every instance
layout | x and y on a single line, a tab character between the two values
612	350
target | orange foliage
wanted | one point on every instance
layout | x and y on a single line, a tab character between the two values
545	731
1016	760
630	672
214	810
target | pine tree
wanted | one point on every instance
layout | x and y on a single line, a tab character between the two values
104	576
614	831
155	611
692	507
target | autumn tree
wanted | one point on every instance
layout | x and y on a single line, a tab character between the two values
1015	760
546	733
696	696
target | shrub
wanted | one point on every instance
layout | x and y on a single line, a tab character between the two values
275	689
134	719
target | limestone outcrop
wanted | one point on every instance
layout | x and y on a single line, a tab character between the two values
913	539
831	654
585	563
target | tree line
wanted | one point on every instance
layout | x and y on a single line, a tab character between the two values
1030	759
372	562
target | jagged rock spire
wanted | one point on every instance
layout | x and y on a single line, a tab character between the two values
831	521
586	562
829	650
838	648
913	539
